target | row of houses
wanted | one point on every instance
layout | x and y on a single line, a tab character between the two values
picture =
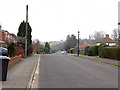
107	40
6	37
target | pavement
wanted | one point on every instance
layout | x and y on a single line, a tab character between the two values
101	60
20	75
66	71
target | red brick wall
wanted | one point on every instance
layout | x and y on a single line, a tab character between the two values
14	60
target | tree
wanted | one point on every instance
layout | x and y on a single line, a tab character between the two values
98	35
11	49
70	42
22	33
47	47
119	37
115	35
91	39
38	47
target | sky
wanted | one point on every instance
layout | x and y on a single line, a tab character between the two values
53	20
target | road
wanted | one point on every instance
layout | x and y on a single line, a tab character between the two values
64	71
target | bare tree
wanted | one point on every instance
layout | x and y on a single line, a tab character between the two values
115	34
91	39
39	47
98	35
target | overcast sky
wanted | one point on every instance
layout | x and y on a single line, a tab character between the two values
53	20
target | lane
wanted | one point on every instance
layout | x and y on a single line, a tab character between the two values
63	71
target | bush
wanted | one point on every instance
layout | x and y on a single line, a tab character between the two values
4	45
86	50
38	51
101	50
11	49
94	50
112	53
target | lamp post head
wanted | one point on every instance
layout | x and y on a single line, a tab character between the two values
78	32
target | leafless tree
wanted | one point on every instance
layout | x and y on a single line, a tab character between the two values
115	34
98	35
119	37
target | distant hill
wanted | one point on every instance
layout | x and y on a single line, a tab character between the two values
57	45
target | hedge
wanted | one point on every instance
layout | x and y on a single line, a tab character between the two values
112	53
101	50
86	50
94	50
11	49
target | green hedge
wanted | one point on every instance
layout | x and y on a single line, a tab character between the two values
11	49
94	50
112	53
86	50
101	50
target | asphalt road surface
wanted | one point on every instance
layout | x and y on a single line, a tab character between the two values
63	71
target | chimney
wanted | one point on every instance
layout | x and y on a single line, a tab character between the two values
107	35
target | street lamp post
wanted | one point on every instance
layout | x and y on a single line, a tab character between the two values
78	42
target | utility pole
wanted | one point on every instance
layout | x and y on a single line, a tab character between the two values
78	42
26	31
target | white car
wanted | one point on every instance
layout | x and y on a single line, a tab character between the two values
63	52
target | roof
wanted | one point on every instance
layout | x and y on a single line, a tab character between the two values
106	40
86	44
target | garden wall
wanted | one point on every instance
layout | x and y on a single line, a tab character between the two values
14	60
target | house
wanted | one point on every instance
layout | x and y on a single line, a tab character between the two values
82	47
2	36
6	37
107	40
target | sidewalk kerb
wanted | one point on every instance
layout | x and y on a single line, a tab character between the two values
92	59
32	75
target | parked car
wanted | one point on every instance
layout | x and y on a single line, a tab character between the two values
63	52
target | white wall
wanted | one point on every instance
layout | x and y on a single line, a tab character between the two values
110	44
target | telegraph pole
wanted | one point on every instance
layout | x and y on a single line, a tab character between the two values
26	31
78	43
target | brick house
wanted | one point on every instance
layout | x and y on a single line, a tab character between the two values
6	37
107	40
2	36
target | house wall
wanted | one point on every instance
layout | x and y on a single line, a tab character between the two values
2	36
110	44
98	44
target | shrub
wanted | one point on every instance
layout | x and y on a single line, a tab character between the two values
38	51
4	45
94	50
86	50
112	53
11	49
101	50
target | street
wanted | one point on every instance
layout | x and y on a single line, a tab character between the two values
64	71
